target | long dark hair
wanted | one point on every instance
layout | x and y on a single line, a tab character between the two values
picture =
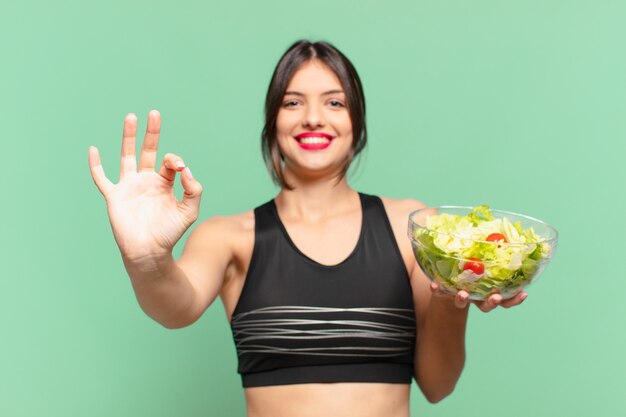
299	53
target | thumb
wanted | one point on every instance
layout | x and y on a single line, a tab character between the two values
193	193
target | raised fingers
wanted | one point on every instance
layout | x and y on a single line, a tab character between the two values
97	172
147	157
128	162
170	165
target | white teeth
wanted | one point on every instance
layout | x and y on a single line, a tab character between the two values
314	140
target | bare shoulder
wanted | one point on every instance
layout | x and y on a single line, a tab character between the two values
214	251
399	209
398	213
226	226
231	223
225	237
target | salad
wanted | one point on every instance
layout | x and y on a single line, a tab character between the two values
479	253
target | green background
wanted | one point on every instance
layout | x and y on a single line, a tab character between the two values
517	104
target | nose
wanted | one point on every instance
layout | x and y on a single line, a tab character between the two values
313	117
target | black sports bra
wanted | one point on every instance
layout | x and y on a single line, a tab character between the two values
298	321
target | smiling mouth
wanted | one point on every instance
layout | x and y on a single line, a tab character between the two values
313	140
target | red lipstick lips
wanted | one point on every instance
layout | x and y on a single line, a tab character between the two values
321	141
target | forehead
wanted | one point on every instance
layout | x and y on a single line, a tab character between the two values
314	76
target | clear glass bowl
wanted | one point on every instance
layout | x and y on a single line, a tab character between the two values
500	272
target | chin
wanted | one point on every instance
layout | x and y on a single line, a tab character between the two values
316	171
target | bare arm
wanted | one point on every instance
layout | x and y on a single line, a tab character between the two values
176	293
441	318
440	340
440	343
147	221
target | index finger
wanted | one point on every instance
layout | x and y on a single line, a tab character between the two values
147	157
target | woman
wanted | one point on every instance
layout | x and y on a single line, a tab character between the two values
330	313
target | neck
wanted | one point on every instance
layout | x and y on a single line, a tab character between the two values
317	199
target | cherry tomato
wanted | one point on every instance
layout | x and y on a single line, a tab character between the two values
496	237
475	265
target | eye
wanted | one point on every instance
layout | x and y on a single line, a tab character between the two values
336	103
290	103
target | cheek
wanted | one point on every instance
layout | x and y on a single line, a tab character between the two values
343	122
284	123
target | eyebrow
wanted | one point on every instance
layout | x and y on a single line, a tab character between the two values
325	93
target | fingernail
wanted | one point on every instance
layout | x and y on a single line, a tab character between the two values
523	297
188	173
180	164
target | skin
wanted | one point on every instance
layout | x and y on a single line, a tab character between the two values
321	215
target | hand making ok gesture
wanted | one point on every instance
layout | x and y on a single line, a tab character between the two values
146	218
